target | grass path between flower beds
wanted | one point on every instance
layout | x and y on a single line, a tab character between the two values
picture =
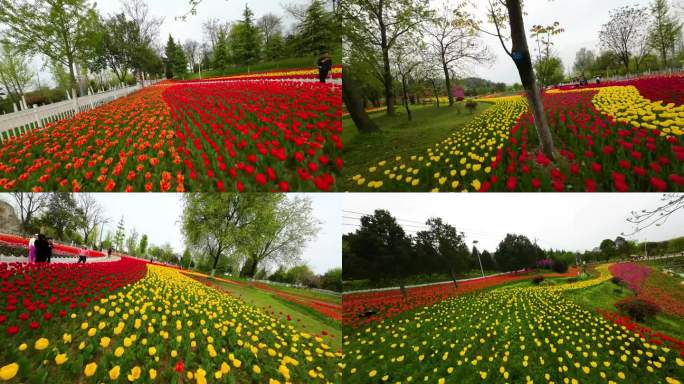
399	137
305	319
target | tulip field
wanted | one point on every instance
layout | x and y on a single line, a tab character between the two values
276	131
621	136
131	321
510	334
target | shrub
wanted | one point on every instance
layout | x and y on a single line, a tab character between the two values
559	266
537	279
638	309
471	106
572	280
617	281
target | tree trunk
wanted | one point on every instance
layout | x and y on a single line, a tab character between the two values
434	92
72	75
213	268
447	79
351	95
386	73
406	101
521	57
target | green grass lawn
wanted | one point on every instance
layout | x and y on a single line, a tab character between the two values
398	136
303	318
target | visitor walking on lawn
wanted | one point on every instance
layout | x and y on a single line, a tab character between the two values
51	246
324	66
32	249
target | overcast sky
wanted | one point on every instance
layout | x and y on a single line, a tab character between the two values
581	19
574	222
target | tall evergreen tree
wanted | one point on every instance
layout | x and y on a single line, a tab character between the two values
176	62
316	30
221	51
246	40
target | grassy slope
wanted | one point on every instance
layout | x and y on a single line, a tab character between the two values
399	136
336	299
303	318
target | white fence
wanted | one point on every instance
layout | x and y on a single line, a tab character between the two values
20	122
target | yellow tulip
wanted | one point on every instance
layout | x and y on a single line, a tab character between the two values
90	369
8	371
41	344
61	358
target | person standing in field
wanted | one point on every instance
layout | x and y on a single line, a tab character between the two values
42	249
324	66
32	249
51	245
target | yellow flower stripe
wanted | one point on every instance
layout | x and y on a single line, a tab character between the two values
627	105
455	164
285	73
166	317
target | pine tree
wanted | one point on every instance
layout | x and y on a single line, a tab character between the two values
221	54
246	39
315	33
176	62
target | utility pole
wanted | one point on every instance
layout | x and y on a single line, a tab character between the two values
478	258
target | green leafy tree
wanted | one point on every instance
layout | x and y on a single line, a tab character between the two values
378	250
142	246
332	280
516	252
61	215
665	30
279	234
379	24
271	28
121	42
585	61
215	224
15	72
545	66
57	29
132	243
186	260
120	235
550	71
608	249
442	247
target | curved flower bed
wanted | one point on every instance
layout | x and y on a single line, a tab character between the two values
389	303
139	323
608	138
